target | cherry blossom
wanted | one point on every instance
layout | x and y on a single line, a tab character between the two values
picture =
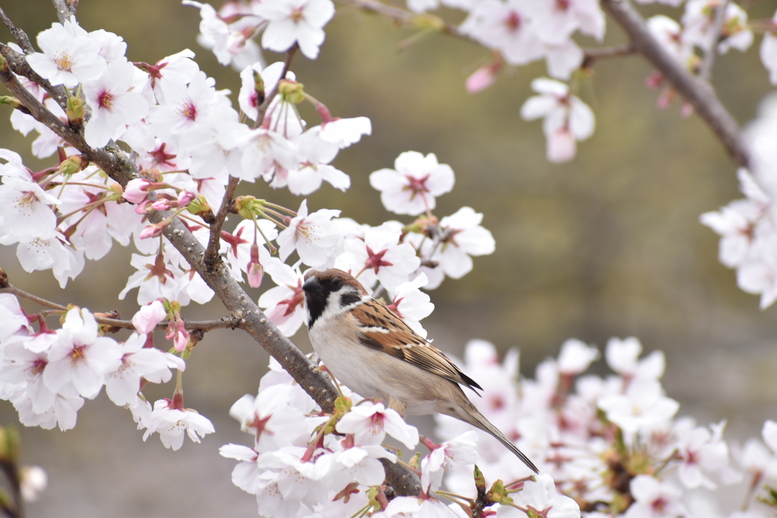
314	155
25	211
295	21
768	52
461	450
113	103
507	27
566	119
654	499
80	358
313	236
540	496
456	239
414	183
576	356
12	317
699	26
641	408
69	55
274	416
138	362
370	422
171	424
284	304
411	304
381	257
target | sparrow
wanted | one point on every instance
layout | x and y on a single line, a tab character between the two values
372	351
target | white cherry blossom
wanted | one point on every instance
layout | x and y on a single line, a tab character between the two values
295	21
414	184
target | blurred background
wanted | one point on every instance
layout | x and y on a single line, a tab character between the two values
608	245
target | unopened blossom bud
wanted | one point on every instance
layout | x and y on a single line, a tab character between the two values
185	198
4	69
13	102
72	164
484	76
255	270
249	207
199	207
153	230
162	204
499	494
136	190
75	110
291	91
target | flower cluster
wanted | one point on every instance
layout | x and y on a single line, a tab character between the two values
304	462
748	227
614	444
47	373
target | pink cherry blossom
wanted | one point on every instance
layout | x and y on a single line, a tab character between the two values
171	424
80	358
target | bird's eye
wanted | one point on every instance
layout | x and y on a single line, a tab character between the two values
335	283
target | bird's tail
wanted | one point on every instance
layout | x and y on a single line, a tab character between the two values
469	414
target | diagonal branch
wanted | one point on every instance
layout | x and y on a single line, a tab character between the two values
696	91
241	307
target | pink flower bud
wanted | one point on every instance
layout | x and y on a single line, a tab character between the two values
153	230
185	198
136	190
148	317
161	205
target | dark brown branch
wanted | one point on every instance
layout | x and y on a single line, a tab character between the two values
697	92
241	307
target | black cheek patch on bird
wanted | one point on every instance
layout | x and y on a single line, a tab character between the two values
350	298
315	299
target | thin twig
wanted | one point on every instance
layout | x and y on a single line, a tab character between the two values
66	9
214	242
201	325
404	17
696	91
596	54
19	36
717	29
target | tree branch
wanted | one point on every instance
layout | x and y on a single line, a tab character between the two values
66	9
241	307
697	92
712	53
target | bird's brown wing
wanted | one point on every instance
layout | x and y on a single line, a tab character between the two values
395	337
